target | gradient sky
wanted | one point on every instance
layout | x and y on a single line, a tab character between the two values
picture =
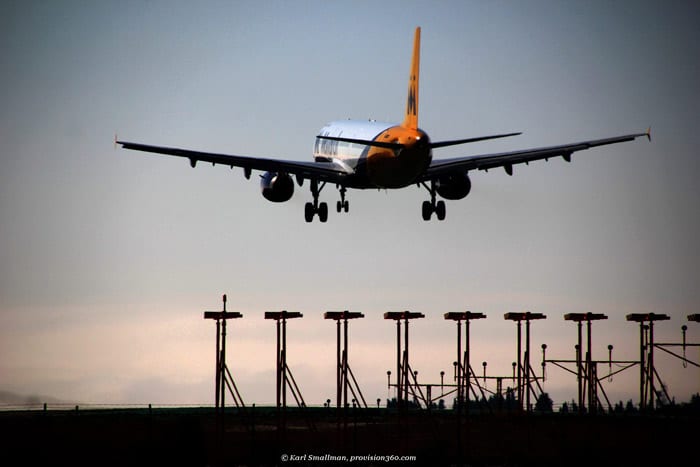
108	257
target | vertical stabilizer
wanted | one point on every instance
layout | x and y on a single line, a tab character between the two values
411	117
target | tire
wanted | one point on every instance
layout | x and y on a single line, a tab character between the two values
427	210
309	212
440	210
346	206
338	206
323	212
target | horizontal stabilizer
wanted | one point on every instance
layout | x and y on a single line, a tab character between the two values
366	142
442	144
439	144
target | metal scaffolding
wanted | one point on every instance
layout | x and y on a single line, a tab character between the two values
345	379
684	344
404	374
586	370
463	369
526	375
466	385
224	380
647	372
284	374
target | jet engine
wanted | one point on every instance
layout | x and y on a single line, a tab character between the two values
453	186
276	187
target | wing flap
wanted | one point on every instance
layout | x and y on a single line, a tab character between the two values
325	171
508	159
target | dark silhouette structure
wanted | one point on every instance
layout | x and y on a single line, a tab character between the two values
649	391
526	376
224	380
684	344
463	369
284	375
345	379
647	372
404	386
586	370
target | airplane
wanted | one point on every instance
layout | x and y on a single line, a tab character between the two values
368	154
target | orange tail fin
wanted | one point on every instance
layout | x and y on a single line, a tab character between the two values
411	118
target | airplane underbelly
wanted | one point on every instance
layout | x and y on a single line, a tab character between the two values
385	169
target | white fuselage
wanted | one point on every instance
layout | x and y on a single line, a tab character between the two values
369	166
348	153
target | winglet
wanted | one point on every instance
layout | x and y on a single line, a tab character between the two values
115	140
411	116
648	133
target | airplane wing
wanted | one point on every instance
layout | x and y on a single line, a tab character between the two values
322	171
507	160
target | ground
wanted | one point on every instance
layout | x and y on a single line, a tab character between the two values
189	437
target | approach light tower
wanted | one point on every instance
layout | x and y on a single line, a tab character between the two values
403	369
342	366
646	356
463	368
223	378
524	366
590	377
223	375
284	374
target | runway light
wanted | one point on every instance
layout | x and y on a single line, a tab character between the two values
641	317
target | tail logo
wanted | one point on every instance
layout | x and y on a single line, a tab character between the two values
411	102
411	117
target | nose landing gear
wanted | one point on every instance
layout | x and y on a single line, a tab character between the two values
342	205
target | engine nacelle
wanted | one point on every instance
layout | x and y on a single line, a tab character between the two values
276	187
453	186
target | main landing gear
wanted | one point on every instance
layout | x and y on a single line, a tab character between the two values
430	207
313	208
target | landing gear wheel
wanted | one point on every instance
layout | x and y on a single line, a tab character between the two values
309	212
342	205
433	206
440	210
323	212
313	208
427	210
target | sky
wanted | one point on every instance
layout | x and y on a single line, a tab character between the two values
109	257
